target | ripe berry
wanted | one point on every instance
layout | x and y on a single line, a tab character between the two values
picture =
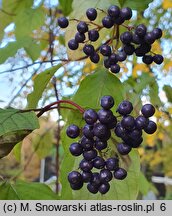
129	49
128	122
141	122
95	179
136	39
126	13
148	110
125	107
75	149
119	130
105	175
135	134
89	155
93	35
112	163
88	131
142	49
105	50
85	165
74	177
100	130
151	128
147	59
91	14
88	49
112	123
99	162
107	102
86	176
82	27
73	131
107	22
100	144
123	149
149	38
141	30
120	174
87	144
135	143
113	59
77	186
107	63
158	59
79	37
115	68
95	57
73	44
119	20
121	56
90	116
157	32
104	188
63	22
92	188
113	11
105	116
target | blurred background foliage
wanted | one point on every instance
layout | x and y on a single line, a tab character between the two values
32	42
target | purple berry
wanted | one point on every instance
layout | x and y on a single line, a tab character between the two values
148	110
91	14
73	131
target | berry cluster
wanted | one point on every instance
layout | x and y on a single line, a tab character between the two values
136	40
94	139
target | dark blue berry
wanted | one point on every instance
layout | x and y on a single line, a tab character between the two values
73	44
90	116
63	22
76	149
73	131
151	128
120	174
148	110
91	14
107	102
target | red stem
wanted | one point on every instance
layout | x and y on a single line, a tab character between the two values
48	107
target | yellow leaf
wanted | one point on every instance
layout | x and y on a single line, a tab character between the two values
167	4
139	67
156	48
141	151
168	66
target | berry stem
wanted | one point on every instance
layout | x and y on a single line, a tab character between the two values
117	35
48	107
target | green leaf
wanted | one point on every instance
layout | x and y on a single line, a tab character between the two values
12	7
135	5
32	49
153	93
66	6
9	50
17	151
40	84
144	185
15	125
168	92
28	20
26	191
15	6
96	85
